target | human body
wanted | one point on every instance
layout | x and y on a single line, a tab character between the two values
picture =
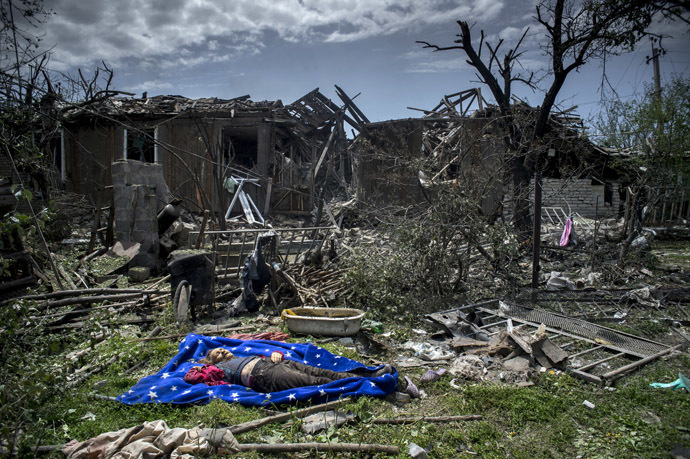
271	374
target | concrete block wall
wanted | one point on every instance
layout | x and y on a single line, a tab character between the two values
580	195
572	195
130	172
135	221
139	192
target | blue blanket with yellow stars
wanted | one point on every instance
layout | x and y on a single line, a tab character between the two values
168	385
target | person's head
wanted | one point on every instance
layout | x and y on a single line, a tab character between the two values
216	355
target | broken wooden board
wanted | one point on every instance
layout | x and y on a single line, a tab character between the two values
554	353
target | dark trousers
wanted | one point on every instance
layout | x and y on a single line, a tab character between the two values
288	374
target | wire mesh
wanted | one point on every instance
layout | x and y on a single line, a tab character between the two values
602	335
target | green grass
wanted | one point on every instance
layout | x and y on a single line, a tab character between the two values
547	419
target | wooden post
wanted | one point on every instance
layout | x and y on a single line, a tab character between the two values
202	230
536	230
626	216
680	204
269	190
96	221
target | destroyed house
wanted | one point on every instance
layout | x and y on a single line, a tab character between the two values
398	159
207	148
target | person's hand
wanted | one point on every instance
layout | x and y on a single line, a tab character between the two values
277	356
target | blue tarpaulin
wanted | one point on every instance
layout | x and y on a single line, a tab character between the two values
168	386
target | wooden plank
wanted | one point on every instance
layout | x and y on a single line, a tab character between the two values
292	238
598	362
330	215
324	152
240	261
587	351
623	369
269	191
227	254
586	376
348	101
524	345
251	425
335	108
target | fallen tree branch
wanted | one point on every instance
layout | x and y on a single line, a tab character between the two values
82	291
98	368
297	447
91	299
251	425
144	320
414	419
209	333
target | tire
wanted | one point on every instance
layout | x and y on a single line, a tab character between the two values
181	299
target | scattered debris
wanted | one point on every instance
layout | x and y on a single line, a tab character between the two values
321	421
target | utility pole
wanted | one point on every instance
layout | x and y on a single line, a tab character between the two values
657	77
536	231
657	91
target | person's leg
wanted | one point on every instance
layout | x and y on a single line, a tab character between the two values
274	377
335	375
318	371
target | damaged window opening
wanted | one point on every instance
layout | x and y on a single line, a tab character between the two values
240	146
57	150
608	193
141	145
54	149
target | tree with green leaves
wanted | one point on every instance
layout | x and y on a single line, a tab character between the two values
653	132
654	129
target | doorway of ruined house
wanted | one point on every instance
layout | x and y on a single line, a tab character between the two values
240	157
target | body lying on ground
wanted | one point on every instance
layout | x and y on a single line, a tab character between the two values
267	374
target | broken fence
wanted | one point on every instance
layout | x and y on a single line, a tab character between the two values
595	353
232	247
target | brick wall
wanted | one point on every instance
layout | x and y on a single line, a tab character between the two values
574	196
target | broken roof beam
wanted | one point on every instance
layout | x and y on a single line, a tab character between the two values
448	106
312	102
426	112
329	103
315	105
354	110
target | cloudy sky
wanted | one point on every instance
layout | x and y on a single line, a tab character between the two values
282	49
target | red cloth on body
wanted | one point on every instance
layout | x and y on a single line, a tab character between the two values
208	374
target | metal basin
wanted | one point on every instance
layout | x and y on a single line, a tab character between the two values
324	321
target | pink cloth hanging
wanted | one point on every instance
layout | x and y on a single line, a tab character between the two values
565	237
